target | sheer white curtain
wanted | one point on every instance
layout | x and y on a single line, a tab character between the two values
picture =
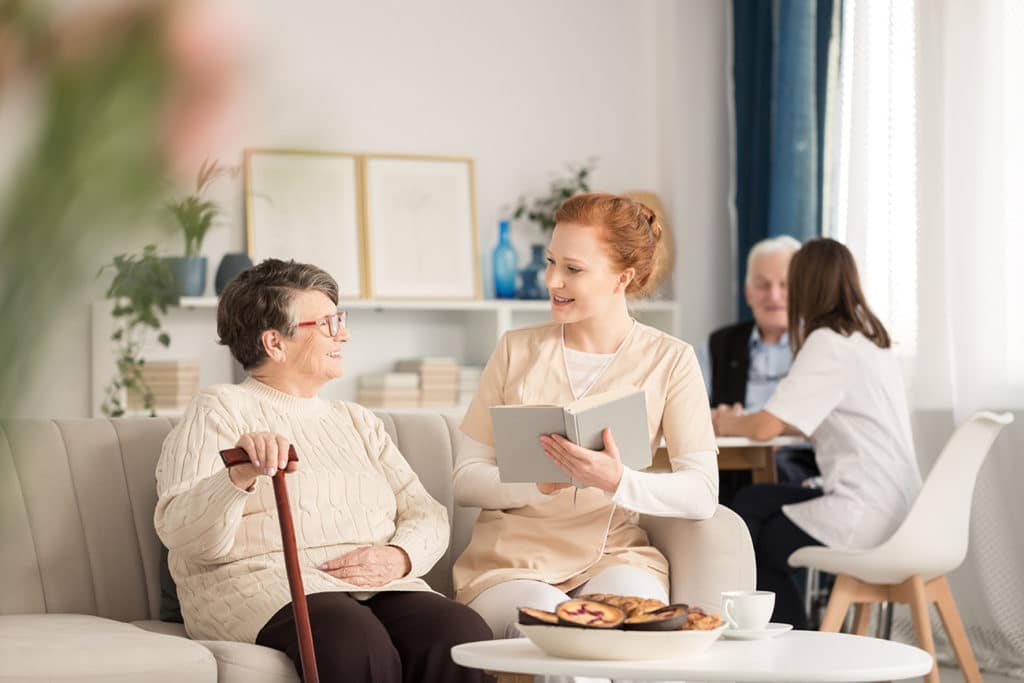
927	188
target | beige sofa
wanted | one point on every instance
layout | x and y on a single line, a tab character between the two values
79	566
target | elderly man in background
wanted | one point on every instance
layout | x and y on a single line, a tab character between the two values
743	363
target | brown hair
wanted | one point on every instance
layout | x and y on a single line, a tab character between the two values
260	299
824	291
632	231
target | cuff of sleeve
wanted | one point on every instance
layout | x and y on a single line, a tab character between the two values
418	563
778	410
626	484
221	487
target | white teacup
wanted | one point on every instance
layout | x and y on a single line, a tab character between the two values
748	610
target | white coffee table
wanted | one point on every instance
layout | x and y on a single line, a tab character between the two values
796	657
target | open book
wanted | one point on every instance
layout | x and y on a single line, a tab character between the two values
517	431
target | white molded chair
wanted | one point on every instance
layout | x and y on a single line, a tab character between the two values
911	566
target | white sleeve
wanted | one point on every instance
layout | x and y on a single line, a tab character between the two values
687	491
478	484
814	385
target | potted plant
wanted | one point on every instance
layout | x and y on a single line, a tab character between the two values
194	216
541	210
142	289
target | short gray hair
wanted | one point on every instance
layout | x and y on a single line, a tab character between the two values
772	245
259	299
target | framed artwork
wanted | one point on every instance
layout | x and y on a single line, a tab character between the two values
306	206
421	236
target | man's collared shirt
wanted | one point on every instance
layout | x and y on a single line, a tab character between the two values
769	363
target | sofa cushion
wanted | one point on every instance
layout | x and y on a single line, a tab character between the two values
237	662
247	663
170	608
166	628
80	647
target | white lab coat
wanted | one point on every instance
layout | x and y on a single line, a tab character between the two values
847	395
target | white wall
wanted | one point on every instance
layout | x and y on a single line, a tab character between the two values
694	159
522	87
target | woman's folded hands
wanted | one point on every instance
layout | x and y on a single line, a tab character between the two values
369	566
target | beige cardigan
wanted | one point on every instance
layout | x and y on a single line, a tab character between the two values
352	488
556	540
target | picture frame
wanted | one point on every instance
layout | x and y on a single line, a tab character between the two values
420	224
306	205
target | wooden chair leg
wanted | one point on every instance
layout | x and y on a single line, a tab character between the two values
504	677
950	616
923	624
861	618
843	592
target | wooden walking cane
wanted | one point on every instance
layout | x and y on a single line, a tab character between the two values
237	456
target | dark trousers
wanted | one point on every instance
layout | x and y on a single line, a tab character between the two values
775	538
793	465
394	636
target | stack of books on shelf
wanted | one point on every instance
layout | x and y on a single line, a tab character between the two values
173	383
439	379
389	390
469	380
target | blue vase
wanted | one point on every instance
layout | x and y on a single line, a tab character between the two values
532	275
231	265
504	263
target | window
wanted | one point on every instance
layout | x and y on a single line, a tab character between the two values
1013	189
873	190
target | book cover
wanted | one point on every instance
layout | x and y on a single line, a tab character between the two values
517	431
399	394
390	380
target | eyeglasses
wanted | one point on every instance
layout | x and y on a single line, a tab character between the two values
330	325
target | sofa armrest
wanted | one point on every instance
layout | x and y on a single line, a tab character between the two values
705	557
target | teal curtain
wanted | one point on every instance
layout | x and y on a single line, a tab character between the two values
780	82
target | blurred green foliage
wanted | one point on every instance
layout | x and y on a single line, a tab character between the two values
92	169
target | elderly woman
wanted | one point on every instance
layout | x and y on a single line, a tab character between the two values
365	526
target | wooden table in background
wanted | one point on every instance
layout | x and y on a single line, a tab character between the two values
741	453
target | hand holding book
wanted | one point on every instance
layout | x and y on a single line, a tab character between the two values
533	441
602	469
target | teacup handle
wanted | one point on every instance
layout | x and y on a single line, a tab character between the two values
728	617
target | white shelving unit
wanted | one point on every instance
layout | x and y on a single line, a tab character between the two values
382	332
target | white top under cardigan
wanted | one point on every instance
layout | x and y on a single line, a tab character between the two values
668	494
847	395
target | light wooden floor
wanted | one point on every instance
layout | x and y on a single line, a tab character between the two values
951	675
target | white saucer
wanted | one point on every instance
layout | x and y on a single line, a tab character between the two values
769	631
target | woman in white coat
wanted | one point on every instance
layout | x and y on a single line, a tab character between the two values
845	393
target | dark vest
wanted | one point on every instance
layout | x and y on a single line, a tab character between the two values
730	363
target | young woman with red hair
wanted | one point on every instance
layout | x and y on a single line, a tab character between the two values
535	544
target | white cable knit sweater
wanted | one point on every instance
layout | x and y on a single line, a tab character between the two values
352	488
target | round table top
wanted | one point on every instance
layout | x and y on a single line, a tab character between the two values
795	657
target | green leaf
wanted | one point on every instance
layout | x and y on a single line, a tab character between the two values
542	209
143	287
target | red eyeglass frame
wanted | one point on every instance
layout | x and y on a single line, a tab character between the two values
340	316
